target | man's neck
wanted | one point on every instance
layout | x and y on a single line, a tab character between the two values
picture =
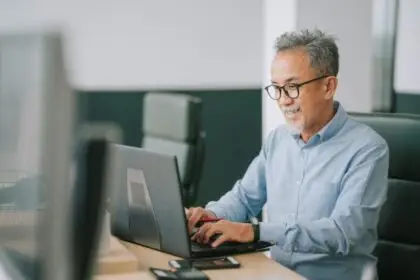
323	121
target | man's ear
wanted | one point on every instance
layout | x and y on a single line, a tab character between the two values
330	87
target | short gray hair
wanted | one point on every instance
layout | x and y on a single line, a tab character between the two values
321	48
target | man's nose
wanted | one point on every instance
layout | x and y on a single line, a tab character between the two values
285	100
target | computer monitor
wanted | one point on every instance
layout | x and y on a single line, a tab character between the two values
38	152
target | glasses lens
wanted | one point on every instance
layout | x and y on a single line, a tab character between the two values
292	91
273	92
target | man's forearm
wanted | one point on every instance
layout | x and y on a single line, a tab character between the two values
322	236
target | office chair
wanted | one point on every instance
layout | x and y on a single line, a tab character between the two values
398	249
172	125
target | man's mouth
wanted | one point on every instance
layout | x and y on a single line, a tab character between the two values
290	112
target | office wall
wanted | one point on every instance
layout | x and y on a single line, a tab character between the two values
159	44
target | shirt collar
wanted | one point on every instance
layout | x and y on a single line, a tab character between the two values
331	128
335	124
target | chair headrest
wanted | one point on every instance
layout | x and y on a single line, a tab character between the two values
402	133
172	116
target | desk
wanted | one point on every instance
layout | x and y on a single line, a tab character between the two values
253	266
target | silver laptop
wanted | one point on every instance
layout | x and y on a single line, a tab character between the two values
148	207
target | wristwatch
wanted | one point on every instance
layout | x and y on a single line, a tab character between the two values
256	228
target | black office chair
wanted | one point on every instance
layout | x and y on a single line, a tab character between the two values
398	249
172	125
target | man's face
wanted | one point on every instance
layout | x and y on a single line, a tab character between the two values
293	67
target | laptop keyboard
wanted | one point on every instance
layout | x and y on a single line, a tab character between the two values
225	244
208	245
200	245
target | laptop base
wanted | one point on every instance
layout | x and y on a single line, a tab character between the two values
205	250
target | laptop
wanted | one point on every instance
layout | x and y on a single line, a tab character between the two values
148	206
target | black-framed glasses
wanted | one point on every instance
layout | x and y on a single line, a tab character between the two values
291	90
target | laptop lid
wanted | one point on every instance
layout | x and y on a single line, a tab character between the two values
156	176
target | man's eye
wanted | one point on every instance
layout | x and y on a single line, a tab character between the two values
290	87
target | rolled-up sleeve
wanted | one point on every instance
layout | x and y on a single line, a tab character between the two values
356	212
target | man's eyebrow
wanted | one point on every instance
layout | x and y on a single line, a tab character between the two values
286	81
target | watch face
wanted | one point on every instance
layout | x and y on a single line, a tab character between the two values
254	221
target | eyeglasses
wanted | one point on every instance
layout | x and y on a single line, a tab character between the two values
291	90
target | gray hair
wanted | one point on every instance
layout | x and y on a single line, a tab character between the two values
321	48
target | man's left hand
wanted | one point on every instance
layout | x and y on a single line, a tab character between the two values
229	231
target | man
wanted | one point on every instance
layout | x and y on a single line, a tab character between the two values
322	176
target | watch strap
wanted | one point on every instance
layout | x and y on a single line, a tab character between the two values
256	228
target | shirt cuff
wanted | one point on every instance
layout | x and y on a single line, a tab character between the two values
276	233
216	210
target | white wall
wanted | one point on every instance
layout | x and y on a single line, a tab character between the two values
407	49
144	44
274	25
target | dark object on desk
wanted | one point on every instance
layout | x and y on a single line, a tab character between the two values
160	180
203	264
172	124
89	195
189	274
398	249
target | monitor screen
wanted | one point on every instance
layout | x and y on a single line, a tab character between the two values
35	147
21	102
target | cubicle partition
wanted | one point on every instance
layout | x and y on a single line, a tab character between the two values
232	120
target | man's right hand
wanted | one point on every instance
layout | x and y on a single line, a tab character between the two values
195	214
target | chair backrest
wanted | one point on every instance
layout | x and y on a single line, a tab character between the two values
172	125
398	249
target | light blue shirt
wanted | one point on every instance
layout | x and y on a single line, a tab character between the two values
323	197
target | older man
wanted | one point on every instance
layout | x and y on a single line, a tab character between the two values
322	176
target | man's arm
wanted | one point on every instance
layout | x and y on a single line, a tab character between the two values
248	195
356	212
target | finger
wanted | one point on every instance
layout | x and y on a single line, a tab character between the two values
198	233
194	237
213	229
195	216
193	232
207	232
222	238
198	236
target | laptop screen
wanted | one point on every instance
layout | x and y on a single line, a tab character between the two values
142	220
